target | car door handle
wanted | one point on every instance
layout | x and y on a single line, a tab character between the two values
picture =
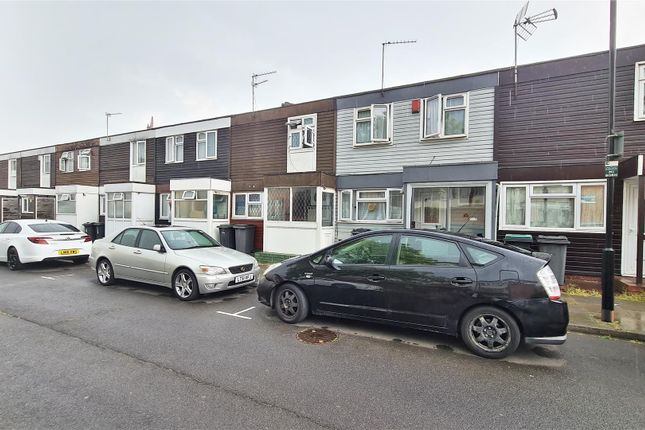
137	252
460	281
111	247
376	278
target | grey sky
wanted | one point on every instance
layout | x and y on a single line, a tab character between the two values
64	64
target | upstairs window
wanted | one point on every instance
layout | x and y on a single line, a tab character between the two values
207	145
45	164
302	132
13	168
445	116
373	125
84	160
138	153
66	162
247	205
175	149
639	92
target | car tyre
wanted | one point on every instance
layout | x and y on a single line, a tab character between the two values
105	272
490	332
13	260
184	285
81	260
291	304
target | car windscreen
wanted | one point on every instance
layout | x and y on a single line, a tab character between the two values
53	227
188	239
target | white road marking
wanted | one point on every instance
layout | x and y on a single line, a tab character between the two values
237	314
49	278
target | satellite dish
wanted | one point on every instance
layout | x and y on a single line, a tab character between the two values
521	14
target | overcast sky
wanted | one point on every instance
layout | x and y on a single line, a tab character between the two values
64	64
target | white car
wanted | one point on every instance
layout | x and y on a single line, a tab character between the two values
34	240
187	260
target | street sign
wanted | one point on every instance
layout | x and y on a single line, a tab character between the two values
611	169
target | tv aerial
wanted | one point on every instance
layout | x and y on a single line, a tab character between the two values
255	83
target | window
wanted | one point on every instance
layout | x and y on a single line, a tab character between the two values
148	239
53	227
66	204
119	205
187	239
45	164
27	204
327	209
220	206
639	92
128	237
248	205
191	204
164	206
102	204
66	162
3	226
372	205
424	251
479	256
207	145
445	116
84	160
175	149
373	125
12	228
291	204
370	250
13	173
553	206
138	153
302	132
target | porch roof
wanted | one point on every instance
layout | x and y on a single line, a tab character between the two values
631	167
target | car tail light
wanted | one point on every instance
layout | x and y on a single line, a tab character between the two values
39	240
86	238
549	282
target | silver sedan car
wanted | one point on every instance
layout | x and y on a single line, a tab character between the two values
187	260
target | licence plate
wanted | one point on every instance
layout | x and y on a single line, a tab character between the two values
242	278
69	251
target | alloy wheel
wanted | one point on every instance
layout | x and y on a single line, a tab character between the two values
104	272
183	285
288	303
489	332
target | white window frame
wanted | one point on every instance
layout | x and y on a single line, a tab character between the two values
13	168
25	207
441	118
161	206
185	195
102	204
639	91
355	198
45	164
373	141
66	162
172	142
340	204
203	140
66	197
117	197
296	126
576	194
85	154
189	195
135	151
246	205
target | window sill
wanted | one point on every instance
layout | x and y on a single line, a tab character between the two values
205	159
247	218
551	229
174	162
441	138
639	119
392	222
360	145
301	150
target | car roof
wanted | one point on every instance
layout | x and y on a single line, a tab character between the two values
36	221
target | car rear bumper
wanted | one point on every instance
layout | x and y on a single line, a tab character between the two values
553	340
213	283
48	253
543	319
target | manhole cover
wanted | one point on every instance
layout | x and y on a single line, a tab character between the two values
317	336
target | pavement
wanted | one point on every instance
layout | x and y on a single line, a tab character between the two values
76	355
584	317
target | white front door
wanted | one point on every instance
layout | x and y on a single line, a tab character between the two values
630	224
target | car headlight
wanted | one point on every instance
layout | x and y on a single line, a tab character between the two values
212	270
255	264
271	267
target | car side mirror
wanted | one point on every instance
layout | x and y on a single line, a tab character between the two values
158	248
331	262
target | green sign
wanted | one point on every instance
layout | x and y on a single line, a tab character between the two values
611	169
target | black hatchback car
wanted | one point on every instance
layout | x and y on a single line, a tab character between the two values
489	294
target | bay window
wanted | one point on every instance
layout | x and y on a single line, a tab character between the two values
553	206
639	92
66	203
175	149
445	116
291	204
191	204
206	145
385	205
373	124
247	205
119	205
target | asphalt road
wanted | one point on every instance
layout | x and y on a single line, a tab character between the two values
78	355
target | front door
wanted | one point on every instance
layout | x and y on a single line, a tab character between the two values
430	280
630	228
354	282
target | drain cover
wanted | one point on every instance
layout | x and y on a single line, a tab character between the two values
317	336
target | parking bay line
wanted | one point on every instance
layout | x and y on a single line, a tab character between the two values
237	314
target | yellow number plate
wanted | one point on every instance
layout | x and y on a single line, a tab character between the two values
69	252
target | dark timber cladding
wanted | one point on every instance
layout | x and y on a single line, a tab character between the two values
190	168
555	129
28	172
115	163
4	174
88	177
259	143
